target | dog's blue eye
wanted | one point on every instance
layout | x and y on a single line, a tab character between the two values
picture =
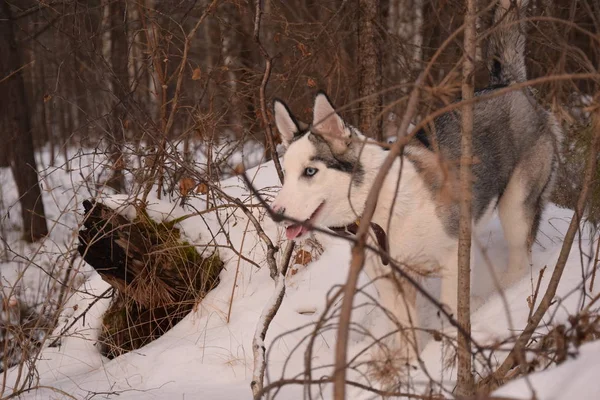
310	171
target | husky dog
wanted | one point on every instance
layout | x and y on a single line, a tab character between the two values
330	167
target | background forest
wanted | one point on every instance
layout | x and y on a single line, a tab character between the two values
128	77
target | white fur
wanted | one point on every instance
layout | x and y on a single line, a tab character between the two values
515	231
415	233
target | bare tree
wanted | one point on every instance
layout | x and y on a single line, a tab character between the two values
120	84
369	68
16	132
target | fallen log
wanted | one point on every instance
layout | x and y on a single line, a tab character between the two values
158	278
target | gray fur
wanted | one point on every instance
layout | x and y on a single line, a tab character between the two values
506	46
514	138
510	132
348	162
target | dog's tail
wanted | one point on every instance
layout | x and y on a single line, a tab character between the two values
506	48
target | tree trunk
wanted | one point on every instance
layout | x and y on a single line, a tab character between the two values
16	130
43	115
120	74
369	69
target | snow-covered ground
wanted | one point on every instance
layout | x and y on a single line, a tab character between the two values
207	357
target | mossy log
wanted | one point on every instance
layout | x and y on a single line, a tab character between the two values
158	277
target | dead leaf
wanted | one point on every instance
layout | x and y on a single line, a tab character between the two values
186	185
239	169
202	188
303	257
196	74
47	97
119	165
304	49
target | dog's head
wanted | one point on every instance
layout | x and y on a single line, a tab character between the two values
322	170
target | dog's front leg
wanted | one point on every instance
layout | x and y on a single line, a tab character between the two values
397	298
449	283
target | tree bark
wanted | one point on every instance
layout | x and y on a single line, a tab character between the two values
16	130
369	69
465	384
120	76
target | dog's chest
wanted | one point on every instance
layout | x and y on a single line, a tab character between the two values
418	235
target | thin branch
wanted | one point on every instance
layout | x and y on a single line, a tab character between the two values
269	312
17	71
104	295
465	382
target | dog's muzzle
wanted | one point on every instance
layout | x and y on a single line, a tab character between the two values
278	213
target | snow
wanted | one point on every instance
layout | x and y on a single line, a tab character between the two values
574	379
206	356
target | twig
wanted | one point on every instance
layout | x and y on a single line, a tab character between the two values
465	383
188	39
65	329
595	266
537	291
22	391
17	71
271	249
269	312
237	270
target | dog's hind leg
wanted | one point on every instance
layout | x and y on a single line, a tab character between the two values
517	221
520	210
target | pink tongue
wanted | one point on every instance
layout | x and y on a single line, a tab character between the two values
292	232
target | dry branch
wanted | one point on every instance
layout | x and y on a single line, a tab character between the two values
465	383
269	312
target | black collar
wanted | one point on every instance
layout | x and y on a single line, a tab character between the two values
352	229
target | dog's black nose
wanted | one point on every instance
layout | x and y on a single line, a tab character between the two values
278	213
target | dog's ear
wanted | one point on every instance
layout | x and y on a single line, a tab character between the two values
328	124
391	126
286	124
